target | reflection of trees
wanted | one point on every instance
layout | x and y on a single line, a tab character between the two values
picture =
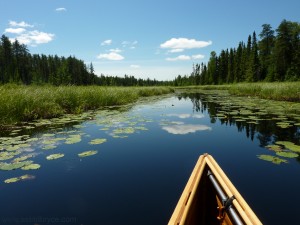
266	131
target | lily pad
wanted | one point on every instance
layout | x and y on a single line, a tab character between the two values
48	147
31	167
14	165
87	153
97	141
16	179
55	156
12	180
73	139
273	159
275	148
287	154
289	145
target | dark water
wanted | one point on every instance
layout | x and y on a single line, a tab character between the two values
138	179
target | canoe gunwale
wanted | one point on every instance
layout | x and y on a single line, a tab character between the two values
179	216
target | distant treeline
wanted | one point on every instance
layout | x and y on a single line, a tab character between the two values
17	65
275	57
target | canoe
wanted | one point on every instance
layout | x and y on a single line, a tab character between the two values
209	197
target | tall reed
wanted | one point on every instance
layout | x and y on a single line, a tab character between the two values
25	103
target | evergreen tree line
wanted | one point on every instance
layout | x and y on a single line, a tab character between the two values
275	57
17	65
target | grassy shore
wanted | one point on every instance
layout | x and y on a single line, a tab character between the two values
25	103
281	91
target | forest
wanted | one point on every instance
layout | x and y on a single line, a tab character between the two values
18	66
274	57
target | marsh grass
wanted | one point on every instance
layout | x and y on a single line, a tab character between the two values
25	103
281	91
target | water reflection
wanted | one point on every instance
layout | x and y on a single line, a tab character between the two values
252	120
185	128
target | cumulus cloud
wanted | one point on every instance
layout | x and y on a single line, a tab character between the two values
34	38
184	43
111	56
179	58
135	66
185	128
176	50
106	42
198	56
28	36
60	9
15	30
21	24
116	50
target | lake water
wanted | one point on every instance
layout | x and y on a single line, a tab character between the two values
144	158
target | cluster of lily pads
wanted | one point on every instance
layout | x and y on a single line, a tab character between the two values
18	150
252	110
285	149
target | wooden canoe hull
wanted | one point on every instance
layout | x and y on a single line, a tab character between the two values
200	204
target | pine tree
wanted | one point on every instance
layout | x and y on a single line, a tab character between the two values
265	47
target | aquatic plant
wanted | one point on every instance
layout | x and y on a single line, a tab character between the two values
27	103
289	145
287	154
97	141
87	153
55	156
273	159
32	166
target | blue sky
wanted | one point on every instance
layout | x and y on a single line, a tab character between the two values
157	39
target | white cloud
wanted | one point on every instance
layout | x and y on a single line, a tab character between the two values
179	58
184	43
116	50
185	128
106	42
185	115
34	38
175	50
198	56
129	44
21	24
135	66
28	37
15	30
39	37
111	56
60	9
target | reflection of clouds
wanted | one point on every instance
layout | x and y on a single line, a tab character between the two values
185	128
186	115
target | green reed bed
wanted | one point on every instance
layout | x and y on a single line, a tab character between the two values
282	91
24	103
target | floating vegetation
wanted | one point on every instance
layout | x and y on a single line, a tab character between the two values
49	147
14	165
22	158
273	159
55	156
73	139
12	180
31	167
97	141
283	125
124	130
87	153
289	145
287	154
21	178
275	148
